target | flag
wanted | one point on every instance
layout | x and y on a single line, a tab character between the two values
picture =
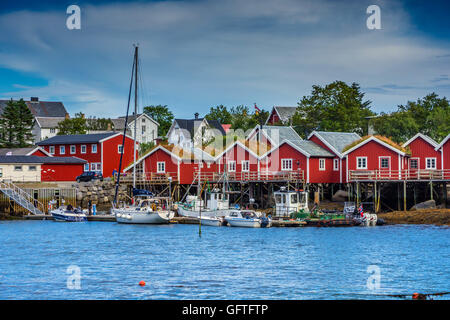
360	210
257	110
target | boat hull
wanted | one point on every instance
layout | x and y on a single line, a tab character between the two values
213	222
68	217
244	223
156	217
205	213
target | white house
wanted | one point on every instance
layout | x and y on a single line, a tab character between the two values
45	127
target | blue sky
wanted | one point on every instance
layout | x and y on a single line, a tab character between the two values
198	54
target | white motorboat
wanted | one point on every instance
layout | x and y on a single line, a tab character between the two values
213	221
217	205
68	214
247	219
288	202
147	210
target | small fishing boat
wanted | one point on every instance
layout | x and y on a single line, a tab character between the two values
68	214
247	219
217	205
213	221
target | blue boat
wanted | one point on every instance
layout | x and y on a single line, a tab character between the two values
67	214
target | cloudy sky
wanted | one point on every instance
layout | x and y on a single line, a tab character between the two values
198	54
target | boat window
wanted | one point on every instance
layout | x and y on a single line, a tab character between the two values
278	198
301	197
294	198
284	198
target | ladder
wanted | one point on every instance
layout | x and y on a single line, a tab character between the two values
22	198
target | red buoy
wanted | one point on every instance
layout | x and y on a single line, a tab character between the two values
142	283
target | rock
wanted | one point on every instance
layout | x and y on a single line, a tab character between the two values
79	195
340	196
430	204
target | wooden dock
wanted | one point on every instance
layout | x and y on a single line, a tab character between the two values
100	217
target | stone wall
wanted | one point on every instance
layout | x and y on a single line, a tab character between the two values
100	193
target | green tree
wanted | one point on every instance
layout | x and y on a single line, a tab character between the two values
9	116
162	115
16	124
334	107
76	125
429	115
220	113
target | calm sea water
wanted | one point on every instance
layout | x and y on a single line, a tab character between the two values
225	263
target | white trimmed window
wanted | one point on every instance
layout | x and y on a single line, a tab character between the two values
83	148
431	163
385	162
245	165
51	149
322	164
52	130
161	167
361	162
119	148
17	168
286	164
336	164
414	163
96	166
93	148
232	166
73	149
62	149
86	167
32	168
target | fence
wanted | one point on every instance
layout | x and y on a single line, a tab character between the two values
399	175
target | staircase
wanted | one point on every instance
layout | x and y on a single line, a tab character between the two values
22	198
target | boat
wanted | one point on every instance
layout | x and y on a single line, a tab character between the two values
145	209
288	202
68	214
217	205
247	219
213	221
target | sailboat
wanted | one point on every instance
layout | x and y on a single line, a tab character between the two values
145	208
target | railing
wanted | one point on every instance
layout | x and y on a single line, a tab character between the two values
252	176
22	198
399	175
148	177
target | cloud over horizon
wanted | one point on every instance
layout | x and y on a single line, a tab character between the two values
200	54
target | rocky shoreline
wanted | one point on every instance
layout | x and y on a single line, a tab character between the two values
440	217
98	192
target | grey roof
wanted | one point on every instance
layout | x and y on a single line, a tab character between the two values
39	160
338	140
49	122
192	125
285	113
312	148
279	133
16	151
41	108
75	138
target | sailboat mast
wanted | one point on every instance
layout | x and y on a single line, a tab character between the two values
135	115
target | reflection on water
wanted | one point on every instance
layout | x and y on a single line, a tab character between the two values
225	263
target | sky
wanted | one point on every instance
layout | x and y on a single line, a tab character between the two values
203	53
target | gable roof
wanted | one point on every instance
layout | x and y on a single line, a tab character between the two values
41	108
77	138
336	141
192	125
22	151
132	117
48	122
284	113
424	137
40	160
442	142
367	139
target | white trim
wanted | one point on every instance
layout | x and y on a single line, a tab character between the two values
384	157
228	165
231	147
50	150
285	168
442	142
307	169
178	169
85	149
322	160
315	133
70	149
376	140
92	148
160	147
158	168
340	170
118	148
424	137
248	165
357	163
306	154
39	149
442	158
336	168
418	163
62	147
435	163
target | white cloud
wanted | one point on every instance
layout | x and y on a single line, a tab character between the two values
198	54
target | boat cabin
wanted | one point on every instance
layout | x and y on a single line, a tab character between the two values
287	202
217	200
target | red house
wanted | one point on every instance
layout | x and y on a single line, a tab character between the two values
101	151
444	148
375	159
281	114
424	155
61	168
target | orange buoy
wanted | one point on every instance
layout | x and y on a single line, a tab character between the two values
415	295
142	283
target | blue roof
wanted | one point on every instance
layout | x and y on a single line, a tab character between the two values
76	138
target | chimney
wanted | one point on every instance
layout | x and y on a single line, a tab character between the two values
109	127
82	116
34	99
67	116
196	115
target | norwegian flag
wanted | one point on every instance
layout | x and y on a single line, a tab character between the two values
360	210
257	110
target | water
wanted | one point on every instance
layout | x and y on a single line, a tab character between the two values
225	263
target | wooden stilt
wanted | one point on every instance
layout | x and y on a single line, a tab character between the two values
431	190
404	195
